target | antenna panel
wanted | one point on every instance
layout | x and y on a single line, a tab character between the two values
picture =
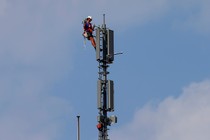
110	91
110	45
98	44
99	92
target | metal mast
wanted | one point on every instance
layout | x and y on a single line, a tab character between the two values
78	128
105	87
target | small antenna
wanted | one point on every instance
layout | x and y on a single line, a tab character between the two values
104	25
78	128
118	53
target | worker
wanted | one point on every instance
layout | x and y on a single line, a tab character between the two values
88	30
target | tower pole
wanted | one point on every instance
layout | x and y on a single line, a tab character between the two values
78	128
105	91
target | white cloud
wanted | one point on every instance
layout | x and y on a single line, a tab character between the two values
181	118
34	56
192	15
32	117
28	111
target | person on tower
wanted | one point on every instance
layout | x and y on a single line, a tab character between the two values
88	30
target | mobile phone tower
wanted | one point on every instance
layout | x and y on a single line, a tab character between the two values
105	87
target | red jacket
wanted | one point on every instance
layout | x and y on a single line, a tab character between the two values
88	27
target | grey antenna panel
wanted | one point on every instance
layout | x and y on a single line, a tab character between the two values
110	45
110	90
99	92
98	37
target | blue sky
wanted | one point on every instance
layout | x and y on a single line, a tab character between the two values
48	76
